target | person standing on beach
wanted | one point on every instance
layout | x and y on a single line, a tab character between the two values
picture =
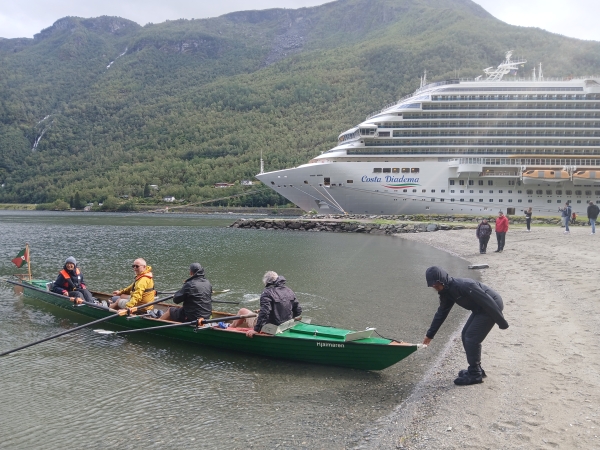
501	229
483	233
528	213
566	216
486	308
592	213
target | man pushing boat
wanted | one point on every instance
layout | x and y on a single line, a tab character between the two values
140	292
486	308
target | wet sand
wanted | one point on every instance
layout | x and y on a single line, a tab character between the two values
543	384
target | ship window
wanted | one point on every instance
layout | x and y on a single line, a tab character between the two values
481	200
377	170
490	182
491	191
451	182
578	201
405	170
529	201
404	190
451	199
433	190
273	183
349	181
539	192
471	200
491	200
549	201
548	192
395	170
480	182
500	191
530	192
443	190
471	191
452	191
423	190
441	199
462	191
414	170
461	182
481	191
500	200
509	191
384	134
569	192
326	181
588	192
462	199
510	200
519	201
305	182
519	192
596	192
471	182
558	201
577	192
433	199
414	190
387	170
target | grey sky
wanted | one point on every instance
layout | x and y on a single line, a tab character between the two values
24	18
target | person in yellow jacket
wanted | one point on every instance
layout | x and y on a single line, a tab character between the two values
140	292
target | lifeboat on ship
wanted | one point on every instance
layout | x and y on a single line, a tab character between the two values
586	177
532	176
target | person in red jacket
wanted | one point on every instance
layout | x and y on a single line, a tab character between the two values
501	229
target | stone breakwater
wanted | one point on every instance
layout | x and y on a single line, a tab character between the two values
380	224
340	226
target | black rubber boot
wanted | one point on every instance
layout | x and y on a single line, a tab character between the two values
467	380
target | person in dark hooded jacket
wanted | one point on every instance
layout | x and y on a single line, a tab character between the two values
486	308
70	282
278	304
196	296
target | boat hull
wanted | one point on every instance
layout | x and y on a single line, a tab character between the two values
324	347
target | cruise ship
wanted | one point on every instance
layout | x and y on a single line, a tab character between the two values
462	147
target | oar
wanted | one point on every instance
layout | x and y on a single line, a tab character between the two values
198	323
213	292
121	312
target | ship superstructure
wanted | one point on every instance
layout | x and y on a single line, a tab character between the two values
462	147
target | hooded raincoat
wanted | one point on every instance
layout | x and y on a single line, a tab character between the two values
278	304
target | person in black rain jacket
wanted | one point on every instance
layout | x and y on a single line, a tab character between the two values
196	296
486	308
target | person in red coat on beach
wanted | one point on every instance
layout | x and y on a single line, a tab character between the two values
501	229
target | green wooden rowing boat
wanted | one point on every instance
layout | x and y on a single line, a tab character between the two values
301	342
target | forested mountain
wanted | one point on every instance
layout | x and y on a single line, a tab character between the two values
104	106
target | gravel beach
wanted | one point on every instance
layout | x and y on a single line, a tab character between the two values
543	384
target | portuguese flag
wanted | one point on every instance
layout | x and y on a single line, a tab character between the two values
22	258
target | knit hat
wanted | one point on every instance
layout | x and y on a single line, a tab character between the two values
71	259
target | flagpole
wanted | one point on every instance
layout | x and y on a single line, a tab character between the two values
28	260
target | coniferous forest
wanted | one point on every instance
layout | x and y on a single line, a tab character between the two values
97	109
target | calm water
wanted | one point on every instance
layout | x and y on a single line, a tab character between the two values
86	390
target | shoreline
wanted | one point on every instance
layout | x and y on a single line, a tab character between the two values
543	384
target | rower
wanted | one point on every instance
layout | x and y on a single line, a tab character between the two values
196	296
140	292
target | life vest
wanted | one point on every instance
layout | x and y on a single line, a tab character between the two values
149	293
70	283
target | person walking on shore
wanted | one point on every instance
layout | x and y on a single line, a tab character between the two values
528	213
592	213
566	216
486	308
501	229
483	233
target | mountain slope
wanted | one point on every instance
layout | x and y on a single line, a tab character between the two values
188	103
